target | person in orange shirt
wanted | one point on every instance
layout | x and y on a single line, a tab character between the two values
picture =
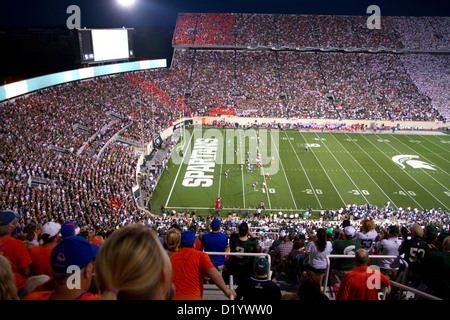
189	267
40	255
362	283
72	268
14	250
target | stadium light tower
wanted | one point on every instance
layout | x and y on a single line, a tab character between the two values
126	3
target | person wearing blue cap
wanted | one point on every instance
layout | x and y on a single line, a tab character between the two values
216	241
72	268
190	267
14	250
69	229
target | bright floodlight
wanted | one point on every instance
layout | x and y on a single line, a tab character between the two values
126	3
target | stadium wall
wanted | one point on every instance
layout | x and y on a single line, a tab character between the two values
407	125
19	88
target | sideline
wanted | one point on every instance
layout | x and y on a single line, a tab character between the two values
179	168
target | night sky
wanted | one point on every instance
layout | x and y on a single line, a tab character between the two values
108	13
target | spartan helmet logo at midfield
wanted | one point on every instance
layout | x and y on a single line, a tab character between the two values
408	159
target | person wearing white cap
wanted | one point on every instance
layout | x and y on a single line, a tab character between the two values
282	251
276	243
346	246
40	255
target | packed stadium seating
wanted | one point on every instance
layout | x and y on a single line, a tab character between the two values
245	29
257	83
313	85
360	94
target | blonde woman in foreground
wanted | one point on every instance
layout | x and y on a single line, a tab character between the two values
133	265
8	290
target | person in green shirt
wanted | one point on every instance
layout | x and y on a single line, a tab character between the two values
346	246
246	242
436	275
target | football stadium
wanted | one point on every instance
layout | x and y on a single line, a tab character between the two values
271	156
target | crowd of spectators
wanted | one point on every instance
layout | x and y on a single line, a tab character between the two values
184	32
215	29
60	136
289	241
297	30
350	86
288	30
213	79
86	177
424	33
255	30
308	85
430	73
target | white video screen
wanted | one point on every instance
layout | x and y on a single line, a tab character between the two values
110	44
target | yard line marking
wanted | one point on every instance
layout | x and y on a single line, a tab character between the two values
307	178
389	174
395	206
267	189
439	146
282	167
409	175
383	170
423	170
345	171
422	154
179	168
220	173
323	169
242	168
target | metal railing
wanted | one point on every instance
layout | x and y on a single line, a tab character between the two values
425	295
402	286
343	256
243	254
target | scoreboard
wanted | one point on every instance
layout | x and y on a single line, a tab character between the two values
105	45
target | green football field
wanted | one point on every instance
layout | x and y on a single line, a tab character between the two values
320	170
